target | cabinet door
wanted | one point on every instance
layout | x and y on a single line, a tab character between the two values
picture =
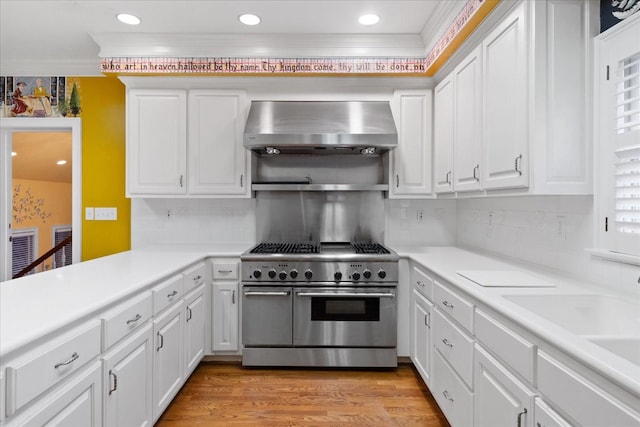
168	362
411	160
505	89
194	329
421	351
467	135
500	399
128	381
78	403
156	142
443	125
225	316
217	158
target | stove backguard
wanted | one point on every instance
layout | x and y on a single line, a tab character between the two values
332	216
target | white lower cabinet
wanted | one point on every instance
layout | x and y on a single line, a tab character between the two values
168	360
500	399
421	347
194	329
453	396
225	316
77	403
128	381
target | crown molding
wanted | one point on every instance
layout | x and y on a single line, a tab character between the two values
50	67
439	22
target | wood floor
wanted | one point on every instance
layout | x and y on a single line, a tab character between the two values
226	394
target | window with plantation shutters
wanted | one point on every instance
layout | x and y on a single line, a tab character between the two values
63	256
23	250
618	161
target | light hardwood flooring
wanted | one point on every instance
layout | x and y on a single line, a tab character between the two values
226	394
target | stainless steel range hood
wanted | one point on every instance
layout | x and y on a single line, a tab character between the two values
320	127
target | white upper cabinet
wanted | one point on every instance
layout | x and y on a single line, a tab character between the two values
411	161
156	142
443	131
186	142
504	131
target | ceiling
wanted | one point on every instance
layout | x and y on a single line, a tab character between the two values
60	33
37	154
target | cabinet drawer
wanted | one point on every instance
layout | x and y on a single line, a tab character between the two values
117	323
225	270
194	277
453	397
517	352
455	306
544	416
422	282
582	400
42	368
167	292
455	346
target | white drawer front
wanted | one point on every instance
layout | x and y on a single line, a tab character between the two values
117	323
455	400
194	277
422	282
167	293
544	416
225	270
517	352
455	345
583	401
39	370
455	306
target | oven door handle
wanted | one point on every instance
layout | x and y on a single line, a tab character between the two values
266	294
347	294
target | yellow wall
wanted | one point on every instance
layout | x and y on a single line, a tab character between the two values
103	164
56	205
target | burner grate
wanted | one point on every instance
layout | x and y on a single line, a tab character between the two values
285	248
369	248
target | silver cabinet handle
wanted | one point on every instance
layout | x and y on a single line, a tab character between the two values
115	382
518	164
447	304
135	319
448	177
266	294
346	294
397	181
233	296
427	317
172	294
524	412
75	356
181	179
476	169
419	283
225	271
161	344
447	396
189	314
241	178
447	343
198	277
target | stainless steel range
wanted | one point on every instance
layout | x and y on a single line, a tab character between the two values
326	304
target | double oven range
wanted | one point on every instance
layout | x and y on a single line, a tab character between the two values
325	304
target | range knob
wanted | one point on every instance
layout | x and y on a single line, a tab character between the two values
308	274
367	274
293	273
282	275
355	276
337	276
272	273
257	274
382	274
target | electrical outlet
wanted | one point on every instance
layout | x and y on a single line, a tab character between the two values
420	215
88	214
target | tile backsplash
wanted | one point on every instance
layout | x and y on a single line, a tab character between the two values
436	227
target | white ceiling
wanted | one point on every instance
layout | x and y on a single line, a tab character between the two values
35	34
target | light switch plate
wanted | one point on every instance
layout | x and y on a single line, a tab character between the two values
88	214
106	214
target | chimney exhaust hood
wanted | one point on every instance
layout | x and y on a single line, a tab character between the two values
320	127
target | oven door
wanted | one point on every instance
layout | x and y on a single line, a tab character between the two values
345	317
267	315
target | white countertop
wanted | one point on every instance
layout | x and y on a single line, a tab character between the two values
446	261
33	306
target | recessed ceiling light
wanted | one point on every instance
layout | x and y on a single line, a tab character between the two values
249	19
61	162
128	18
13	154
369	19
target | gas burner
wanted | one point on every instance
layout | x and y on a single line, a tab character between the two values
369	248
285	248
